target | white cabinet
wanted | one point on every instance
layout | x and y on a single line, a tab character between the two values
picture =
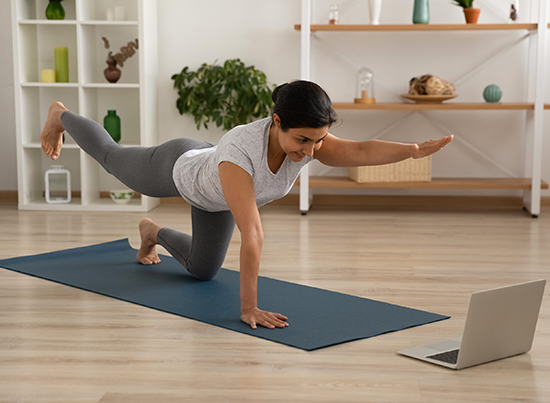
87	93
531	183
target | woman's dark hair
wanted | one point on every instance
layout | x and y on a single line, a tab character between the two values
303	104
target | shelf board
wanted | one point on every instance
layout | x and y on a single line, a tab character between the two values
84	85
436	183
55	85
38	146
112	23
75	22
110	85
47	22
418	27
446	106
76	205
70	146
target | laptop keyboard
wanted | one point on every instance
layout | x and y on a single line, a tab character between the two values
450	357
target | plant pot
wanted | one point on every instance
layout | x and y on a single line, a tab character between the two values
471	14
112	72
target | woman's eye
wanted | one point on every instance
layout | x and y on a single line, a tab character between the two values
303	141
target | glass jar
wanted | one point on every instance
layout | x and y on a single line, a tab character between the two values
333	18
365	86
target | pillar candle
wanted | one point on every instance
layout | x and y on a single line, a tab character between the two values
48	76
62	65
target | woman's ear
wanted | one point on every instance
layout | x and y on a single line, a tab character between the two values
277	121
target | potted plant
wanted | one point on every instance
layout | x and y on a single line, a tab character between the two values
227	95
471	14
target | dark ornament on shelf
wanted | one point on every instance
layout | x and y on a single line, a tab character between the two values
112	72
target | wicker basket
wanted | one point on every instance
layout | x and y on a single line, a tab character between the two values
409	170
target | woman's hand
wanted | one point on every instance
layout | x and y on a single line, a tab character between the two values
429	147
255	316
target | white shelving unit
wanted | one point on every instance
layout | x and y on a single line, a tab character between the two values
87	93
531	184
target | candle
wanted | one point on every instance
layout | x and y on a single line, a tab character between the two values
48	76
62	65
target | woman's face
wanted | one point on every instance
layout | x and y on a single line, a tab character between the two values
297	143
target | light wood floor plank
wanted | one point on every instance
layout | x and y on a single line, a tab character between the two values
60	344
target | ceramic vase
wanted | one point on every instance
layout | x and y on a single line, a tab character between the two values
111	122
55	10
421	12
375	6
492	93
112	72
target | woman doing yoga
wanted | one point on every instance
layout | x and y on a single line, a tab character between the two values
252	165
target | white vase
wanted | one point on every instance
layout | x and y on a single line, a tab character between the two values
374	10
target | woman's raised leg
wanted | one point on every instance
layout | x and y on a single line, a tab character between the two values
147	170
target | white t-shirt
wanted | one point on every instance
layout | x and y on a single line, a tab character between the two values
196	172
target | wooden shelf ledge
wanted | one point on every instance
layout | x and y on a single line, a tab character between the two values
419	27
436	183
445	106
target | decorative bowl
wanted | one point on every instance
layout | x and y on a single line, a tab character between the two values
121	196
428	99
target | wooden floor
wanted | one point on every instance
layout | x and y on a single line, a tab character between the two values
59	344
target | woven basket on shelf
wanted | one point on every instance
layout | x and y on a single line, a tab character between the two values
409	170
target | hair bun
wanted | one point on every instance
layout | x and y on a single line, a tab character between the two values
275	94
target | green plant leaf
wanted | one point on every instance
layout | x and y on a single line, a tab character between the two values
227	95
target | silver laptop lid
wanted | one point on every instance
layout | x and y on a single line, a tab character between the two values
500	323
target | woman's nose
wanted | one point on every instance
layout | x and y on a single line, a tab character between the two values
309	150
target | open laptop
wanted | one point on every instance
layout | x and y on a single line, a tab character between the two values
500	323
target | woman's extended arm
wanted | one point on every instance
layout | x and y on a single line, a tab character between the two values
238	190
348	153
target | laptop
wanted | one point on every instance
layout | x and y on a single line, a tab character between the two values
500	323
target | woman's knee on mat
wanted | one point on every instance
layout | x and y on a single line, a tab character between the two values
203	273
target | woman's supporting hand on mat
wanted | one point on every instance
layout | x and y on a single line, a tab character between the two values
255	316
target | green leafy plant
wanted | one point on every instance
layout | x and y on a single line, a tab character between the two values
227	95
464	3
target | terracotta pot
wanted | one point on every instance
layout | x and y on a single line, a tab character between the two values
112	73
471	14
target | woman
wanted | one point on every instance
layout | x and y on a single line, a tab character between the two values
252	165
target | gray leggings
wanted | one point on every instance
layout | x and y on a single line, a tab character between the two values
148	170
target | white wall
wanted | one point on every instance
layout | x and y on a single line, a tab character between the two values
261	33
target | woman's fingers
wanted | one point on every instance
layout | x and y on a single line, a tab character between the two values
431	146
255	317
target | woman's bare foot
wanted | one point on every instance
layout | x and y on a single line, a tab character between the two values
52	135
147	253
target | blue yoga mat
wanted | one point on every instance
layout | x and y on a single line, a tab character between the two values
317	318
